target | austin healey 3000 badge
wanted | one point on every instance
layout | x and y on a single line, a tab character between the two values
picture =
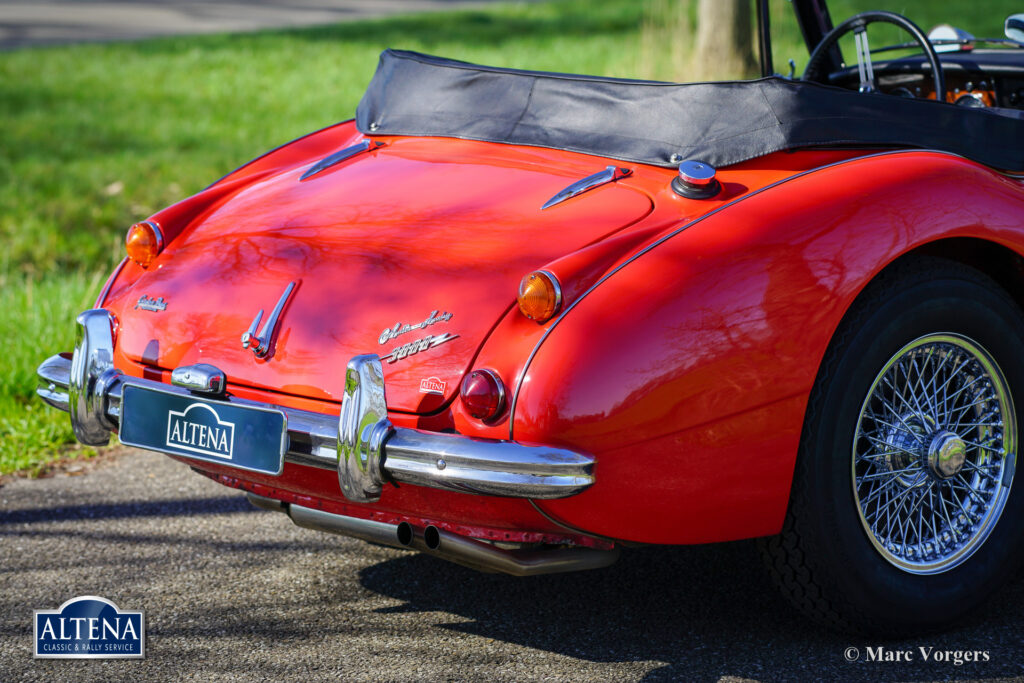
414	347
422	344
398	328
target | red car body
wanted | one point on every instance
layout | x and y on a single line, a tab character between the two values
700	345
673	379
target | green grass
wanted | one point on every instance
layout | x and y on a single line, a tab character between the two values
36	320
95	137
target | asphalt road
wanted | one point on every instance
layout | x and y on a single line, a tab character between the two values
25	23
235	593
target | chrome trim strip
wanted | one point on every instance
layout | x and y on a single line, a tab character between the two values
444	461
558	293
569	527
634	257
340	156
608	175
159	235
102	298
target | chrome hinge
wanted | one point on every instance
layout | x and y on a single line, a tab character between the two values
608	175
260	343
340	156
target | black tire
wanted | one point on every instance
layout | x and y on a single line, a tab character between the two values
824	560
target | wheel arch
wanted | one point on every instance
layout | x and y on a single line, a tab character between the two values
812	558
999	262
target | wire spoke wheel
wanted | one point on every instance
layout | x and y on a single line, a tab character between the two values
902	517
933	454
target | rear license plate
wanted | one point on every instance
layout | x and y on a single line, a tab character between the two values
246	437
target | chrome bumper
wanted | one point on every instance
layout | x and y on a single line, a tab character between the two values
361	444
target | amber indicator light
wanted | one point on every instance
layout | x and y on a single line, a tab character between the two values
483	394
540	296
143	242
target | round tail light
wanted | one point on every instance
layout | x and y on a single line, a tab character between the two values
540	296
143	242
483	394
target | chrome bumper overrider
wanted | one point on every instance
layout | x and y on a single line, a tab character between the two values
361	444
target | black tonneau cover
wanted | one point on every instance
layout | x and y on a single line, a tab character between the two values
661	123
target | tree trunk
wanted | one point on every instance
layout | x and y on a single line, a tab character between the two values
725	41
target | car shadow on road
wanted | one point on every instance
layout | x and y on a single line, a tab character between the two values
213	505
706	612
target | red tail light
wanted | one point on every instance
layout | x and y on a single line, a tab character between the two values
483	394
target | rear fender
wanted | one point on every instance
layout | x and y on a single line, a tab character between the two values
686	370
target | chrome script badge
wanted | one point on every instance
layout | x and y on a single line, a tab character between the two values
88	627
148	303
398	328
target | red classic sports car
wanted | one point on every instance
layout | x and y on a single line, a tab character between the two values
521	320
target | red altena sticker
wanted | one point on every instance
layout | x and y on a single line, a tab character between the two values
432	385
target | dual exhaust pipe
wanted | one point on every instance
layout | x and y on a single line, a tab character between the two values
462	550
489	558
429	540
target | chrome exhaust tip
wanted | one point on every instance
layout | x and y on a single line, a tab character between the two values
432	538
405	534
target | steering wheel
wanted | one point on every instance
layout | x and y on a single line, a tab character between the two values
858	24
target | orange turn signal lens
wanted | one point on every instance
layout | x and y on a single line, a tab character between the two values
540	296
143	242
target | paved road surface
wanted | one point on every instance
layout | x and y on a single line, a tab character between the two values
42	22
231	592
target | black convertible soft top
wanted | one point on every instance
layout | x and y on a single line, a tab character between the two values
662	123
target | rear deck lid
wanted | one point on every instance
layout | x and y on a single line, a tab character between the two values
413	251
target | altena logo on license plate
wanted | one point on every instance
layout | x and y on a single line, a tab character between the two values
199	429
